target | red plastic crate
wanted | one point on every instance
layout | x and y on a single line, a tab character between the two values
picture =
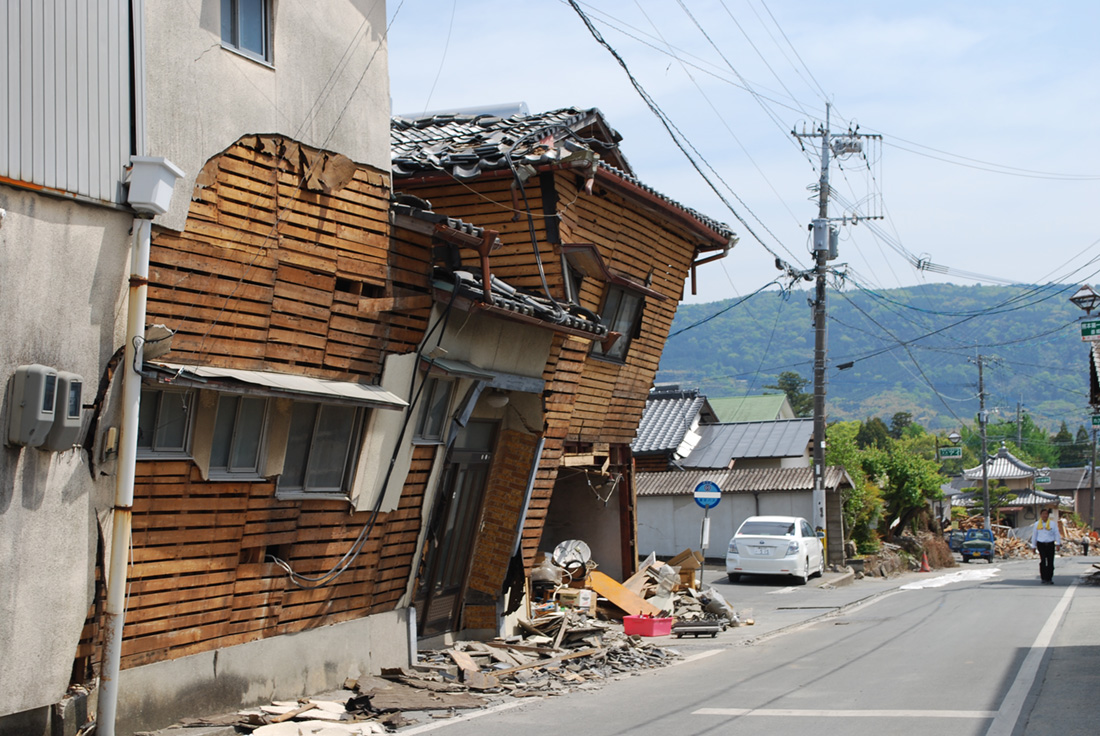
645	626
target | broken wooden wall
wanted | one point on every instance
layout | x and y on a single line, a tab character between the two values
273	273
286	264
587	400
201	580
649	248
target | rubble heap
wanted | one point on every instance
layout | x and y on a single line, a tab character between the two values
1012	547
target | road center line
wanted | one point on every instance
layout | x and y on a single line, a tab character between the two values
824	713
1013	703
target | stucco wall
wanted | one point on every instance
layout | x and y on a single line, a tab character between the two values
62	305
668	525
200	98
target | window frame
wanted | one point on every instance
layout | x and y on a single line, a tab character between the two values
228	472
189	398
232	13
430	392
352	449
619	351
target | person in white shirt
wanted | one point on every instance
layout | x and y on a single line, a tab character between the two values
1045	538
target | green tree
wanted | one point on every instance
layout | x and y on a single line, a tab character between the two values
792	384
908	481
873	432
862	504
899	423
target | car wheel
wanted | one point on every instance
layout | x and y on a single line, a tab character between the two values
820	568
733	577
966	559
805	576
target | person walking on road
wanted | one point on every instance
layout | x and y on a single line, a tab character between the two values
1045	538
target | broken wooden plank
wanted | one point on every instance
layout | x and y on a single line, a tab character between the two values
629	602
550	662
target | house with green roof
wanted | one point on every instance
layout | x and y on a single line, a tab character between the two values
763	408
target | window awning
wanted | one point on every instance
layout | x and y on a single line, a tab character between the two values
267	383
491	378
459	368
585	257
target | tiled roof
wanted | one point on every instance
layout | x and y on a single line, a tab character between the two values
1002	466
466	146
749	408
666	420
1022	498
751	480
721	443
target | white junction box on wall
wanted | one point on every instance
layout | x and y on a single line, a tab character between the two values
32	394
65	431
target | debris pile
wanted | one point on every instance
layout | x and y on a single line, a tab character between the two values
1011	546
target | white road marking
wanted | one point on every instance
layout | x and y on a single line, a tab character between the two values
1013	703
822	713
963	576
467	717
697	656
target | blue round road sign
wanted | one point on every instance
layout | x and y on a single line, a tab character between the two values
708	494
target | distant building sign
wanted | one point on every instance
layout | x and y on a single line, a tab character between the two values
1096	420
1090	330
1042	480
946	452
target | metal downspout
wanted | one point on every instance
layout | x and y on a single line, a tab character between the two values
124	486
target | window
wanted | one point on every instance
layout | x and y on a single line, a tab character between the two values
321	448
236	448
622	313
433	413
246	27
164	422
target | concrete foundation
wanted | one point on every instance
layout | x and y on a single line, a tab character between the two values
280	668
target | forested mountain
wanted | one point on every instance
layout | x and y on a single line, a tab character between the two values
911	350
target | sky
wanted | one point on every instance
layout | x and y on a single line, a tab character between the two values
987	167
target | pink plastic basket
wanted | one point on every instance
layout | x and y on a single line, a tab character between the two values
645	626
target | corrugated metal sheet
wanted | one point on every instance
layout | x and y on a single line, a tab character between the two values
724	442
753	480
65	95
286	383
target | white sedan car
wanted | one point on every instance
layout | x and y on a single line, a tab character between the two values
775	545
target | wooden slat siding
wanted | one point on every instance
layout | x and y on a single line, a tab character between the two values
250	282
191	591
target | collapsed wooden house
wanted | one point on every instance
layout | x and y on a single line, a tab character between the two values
581	239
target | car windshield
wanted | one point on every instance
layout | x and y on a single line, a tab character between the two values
768	528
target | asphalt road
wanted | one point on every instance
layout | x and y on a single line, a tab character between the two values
978	649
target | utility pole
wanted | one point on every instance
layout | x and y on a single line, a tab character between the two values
1092	483
825	236
1019	427
981	424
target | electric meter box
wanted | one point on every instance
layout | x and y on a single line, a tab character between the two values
65	431
32	394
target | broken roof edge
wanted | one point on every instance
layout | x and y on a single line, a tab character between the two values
486	160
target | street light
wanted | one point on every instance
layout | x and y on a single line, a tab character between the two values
1086	298
955	438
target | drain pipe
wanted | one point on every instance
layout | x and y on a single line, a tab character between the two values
151	183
